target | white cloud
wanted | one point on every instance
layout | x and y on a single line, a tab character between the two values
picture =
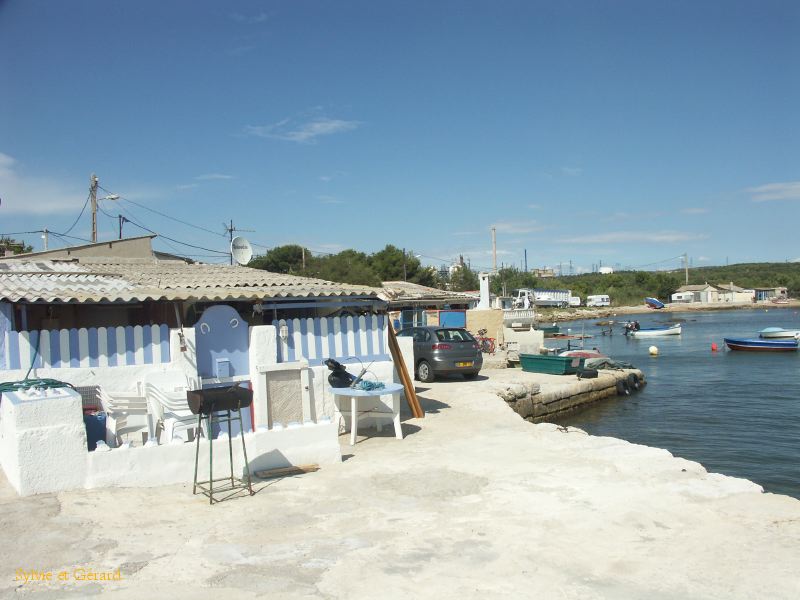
517	226
213	176
571	171
618	237
464	233
22	194
695	211
250	19
535	206
788	190
325	178
302	133
187	186
329	200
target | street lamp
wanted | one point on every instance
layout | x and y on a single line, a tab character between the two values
94	209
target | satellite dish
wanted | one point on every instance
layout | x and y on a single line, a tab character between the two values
241	250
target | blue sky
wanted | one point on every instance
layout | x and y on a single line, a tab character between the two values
626	133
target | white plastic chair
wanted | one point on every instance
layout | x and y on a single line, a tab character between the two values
126	413
166	394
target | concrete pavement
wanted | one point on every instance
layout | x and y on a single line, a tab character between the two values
473	503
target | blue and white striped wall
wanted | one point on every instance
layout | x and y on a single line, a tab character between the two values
316	340
94	347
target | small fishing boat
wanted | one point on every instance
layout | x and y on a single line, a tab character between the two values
761	345
652	331
654	302
583	353
778	332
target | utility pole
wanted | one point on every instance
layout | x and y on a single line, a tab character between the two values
526	260
93	183
686	266
44	237
121	222
570	266
494	250
404	264
304	258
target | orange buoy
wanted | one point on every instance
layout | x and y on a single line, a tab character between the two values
713	346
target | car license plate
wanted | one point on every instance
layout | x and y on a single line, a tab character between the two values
463	364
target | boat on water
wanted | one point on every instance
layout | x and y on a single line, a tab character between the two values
581	353
633	330
653	302
761	345
779	332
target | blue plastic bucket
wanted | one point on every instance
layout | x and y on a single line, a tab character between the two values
95	428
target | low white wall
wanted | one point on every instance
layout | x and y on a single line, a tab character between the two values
43	449
43	440
174	463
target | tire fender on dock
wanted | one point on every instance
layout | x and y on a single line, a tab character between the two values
633	382
622	387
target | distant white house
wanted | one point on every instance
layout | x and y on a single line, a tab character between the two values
711	294
606	270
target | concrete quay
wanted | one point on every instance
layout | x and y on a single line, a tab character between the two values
475	502
539	398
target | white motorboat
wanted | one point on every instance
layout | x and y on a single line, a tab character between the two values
779	332
654	331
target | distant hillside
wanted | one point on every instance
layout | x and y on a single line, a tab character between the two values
630	287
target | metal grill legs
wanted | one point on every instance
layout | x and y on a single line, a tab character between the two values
232	484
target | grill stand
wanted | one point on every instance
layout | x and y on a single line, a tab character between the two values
207	487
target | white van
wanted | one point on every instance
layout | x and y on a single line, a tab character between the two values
599	300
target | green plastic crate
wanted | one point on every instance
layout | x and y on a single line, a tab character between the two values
553	365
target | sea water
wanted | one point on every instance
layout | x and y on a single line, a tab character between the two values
736	412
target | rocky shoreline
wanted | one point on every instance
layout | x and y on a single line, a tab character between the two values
572	314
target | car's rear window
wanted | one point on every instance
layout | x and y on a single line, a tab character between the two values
454	335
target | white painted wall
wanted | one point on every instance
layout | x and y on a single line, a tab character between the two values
118	379
483	303
43	449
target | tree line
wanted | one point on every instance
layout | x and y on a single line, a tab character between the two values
624	287
350	266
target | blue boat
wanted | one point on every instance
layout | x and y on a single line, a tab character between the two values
654	302
760	345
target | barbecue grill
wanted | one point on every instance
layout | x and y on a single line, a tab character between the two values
217	406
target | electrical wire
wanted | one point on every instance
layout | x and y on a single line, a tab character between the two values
71	227
178	241
20	233
152	210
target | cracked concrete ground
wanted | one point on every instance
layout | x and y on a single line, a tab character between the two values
473	503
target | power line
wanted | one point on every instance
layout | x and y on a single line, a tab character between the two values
20	233
71	227
134	220
178	241
658	262
152	210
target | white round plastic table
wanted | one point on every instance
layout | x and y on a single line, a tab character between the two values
354	394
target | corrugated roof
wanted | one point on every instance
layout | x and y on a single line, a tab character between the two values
62	281
400	292
695	287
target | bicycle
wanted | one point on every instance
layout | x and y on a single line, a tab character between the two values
486	344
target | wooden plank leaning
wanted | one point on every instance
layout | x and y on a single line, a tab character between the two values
405	378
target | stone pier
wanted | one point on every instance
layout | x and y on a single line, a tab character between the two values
538	397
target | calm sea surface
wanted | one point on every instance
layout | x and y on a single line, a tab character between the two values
737	413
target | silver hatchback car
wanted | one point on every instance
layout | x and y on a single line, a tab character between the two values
444	351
